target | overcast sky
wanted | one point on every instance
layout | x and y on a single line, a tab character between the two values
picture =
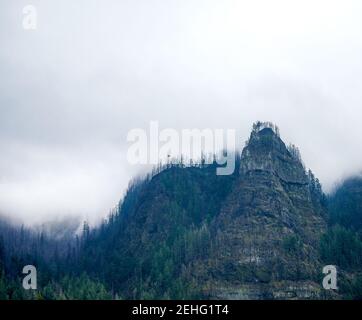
93	70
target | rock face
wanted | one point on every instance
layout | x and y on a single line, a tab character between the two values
269	227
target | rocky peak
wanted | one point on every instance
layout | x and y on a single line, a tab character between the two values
265	151
270	206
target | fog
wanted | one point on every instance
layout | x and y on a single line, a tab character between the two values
71	89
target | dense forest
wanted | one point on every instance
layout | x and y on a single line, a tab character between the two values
342	243
171	234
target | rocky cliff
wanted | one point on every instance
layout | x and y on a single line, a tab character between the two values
268	228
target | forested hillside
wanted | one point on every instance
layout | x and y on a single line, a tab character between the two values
182	232
342	243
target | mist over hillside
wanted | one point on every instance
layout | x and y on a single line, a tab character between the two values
180	150
183	232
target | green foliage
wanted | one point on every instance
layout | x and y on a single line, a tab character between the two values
356	288
3	286
345	205
75	288
163	275
341	247
350	286
291	244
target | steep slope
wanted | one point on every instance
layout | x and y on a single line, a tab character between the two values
269	227
161	228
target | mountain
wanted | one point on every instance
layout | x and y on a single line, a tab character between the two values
184	232
270	225
187	233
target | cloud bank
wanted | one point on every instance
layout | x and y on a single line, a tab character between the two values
71	89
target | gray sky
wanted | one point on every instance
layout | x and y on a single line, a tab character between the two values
92	70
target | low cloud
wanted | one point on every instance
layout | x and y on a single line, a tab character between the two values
71	89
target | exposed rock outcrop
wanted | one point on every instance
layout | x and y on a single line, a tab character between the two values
268	229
